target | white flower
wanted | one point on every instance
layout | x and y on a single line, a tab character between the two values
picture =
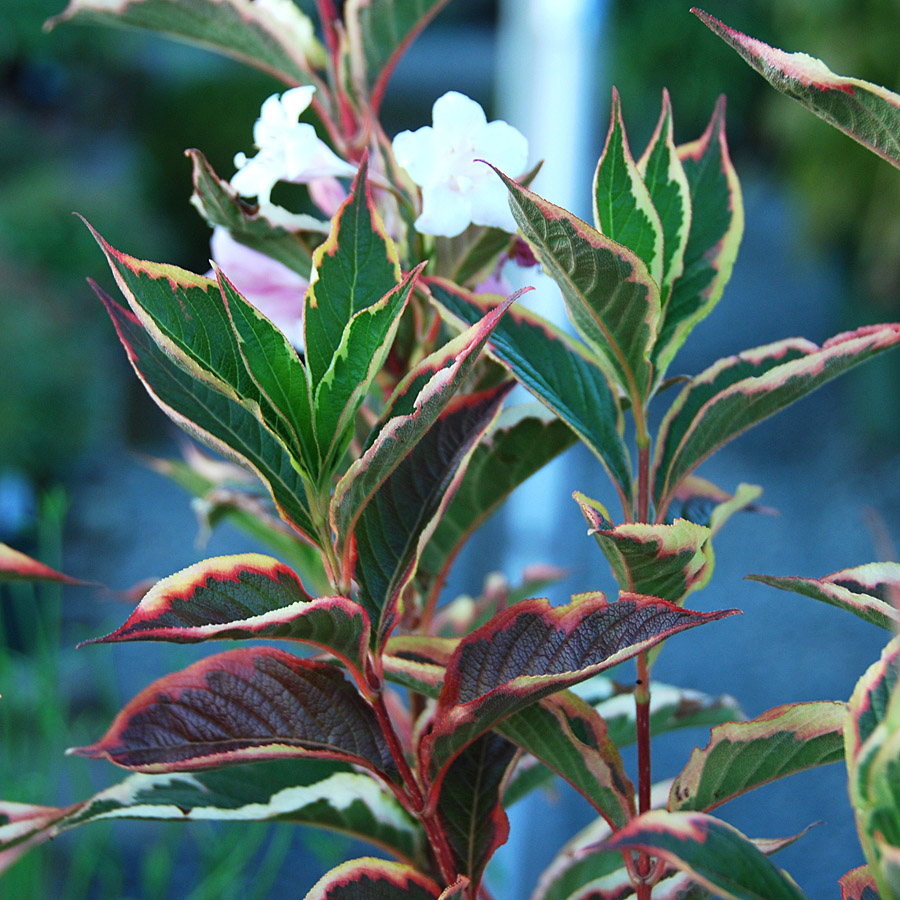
274	289
289	150
456	190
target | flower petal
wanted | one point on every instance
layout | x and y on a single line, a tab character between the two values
416	151
455	115
445	211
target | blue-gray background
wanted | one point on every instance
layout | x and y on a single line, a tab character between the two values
97	121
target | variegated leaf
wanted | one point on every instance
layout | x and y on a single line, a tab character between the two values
217	419
560	371
738	392
379	33
717	225
245	706
870	591
571	738
869	702
667	561
287	237
17	566
369	878
219	338
531	650
670	193
623	208
355	267
741	756
866	112
315	792
279	39
416	404
402	514
611	297
246	596
524	439
710	852
858	884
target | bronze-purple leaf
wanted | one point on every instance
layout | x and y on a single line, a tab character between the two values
533	649
242	706
373	879
246	596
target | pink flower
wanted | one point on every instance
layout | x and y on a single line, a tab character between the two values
274	289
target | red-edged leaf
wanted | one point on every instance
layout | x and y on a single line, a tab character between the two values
571	738
469	806
666	561
246	596
866	112
699	500
24	826
559	370
870	591
858	884
417	402
379	32
524	439
670	192
280	41
738	392
531	650
220	339
741	756
17	566
418	662
457	889
710	851
218	420
243	706
396	524
869	702
611	297
373	879
717	225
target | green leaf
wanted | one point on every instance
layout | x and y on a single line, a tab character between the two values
278	39
670	193
738	392
283	236
246	596
417	403
220	339
374	879
867	591
17	566
667	561
717	225
623	208
741	756
531	650
867	112
469	806
570	737
379	33
353	270
305	792
611	297
217	419
525	438
245	706
399	519
710	851
561	372
357	361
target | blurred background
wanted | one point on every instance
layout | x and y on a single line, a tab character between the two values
97	120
